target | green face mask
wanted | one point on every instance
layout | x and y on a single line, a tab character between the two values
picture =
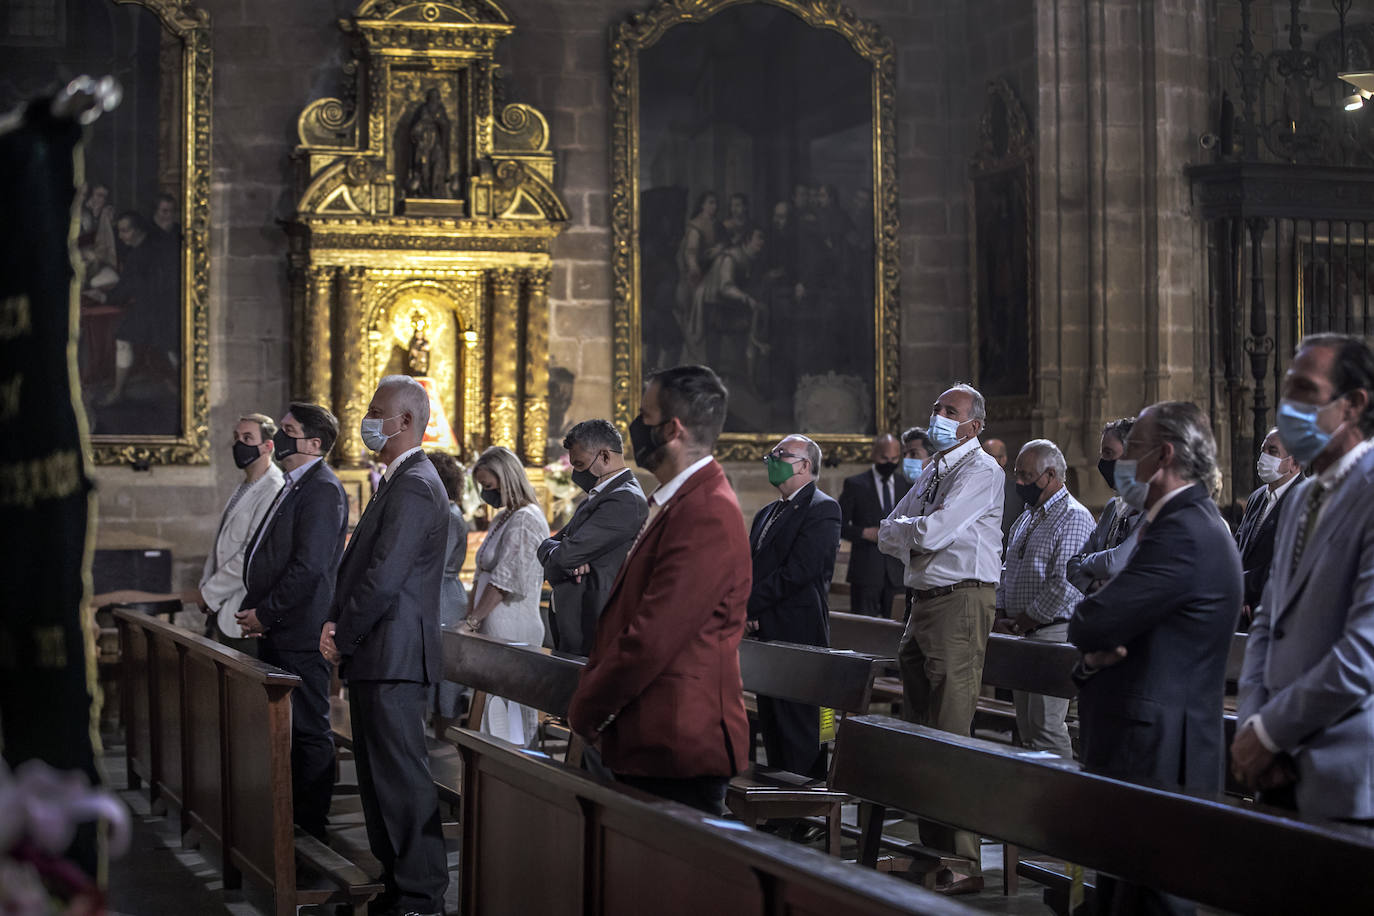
778	470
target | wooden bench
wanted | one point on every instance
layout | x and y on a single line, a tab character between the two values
540	837
838	680
208	729
1214	850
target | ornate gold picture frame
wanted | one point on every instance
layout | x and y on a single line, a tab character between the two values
781	113
143	210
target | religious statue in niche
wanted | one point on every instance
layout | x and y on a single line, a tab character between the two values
430	134
438	432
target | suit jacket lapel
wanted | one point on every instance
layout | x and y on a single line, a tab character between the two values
373	508
698	479
1335	507
790	510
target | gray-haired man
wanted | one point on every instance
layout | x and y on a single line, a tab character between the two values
1034	598
582	559
948	531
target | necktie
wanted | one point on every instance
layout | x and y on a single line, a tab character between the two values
887	497
654	509
772	517
1312	511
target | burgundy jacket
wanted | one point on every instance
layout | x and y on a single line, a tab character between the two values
665	662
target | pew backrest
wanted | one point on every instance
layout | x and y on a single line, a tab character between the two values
525	674
837	679
1211	849
600	850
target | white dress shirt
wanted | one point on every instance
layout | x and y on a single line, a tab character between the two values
887	490
1271	499
948	526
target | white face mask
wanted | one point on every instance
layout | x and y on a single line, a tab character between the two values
1268	468
372	435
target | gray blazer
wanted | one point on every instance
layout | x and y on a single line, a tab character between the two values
386	601
599	534
1309	660
1097	562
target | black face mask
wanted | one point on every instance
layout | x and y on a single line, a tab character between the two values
647	445
245	454
491	497
283	444
1029	493
885	469
1107	468
585	480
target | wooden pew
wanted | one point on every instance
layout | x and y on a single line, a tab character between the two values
208	729
1214	850
539	837
838	680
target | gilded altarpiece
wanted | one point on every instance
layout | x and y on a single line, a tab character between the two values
421	240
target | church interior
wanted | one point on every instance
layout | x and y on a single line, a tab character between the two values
531	211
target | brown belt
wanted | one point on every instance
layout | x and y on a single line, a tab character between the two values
925	594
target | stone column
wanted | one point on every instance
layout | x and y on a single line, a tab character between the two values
350	401
536	414
505	358
314	340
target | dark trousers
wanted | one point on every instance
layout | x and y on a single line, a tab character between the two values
312	741
246	645
400	804
873	600
705	793
1120	898
792	736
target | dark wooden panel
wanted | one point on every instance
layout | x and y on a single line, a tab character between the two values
259	777
1162	839
166	690
524	674
806	674
137	727
870	635
1024	664
203	803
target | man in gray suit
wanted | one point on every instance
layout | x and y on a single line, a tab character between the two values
383	631
1306	708
582	559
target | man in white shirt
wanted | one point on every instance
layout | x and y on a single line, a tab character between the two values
948	531
222	588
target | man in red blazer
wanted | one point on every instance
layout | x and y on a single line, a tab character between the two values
661	693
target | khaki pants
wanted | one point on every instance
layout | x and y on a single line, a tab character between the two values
1040	719
941	657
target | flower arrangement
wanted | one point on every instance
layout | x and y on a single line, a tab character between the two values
40	809
563	493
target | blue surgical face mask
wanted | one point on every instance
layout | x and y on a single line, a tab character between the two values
1133	492
372	435
912	468
943	432
1299	432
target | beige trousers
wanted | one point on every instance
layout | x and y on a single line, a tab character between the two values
1040	719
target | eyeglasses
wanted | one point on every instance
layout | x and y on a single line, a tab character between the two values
784	456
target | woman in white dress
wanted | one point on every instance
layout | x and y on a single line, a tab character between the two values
505	593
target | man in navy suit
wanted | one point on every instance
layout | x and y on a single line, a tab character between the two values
865	500
383	631
793	541
289	573
1155	638
1255	535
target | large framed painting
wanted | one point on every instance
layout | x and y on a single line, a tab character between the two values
143	208
754	213
1001	256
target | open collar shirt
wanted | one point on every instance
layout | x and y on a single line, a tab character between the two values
1042	540
948	526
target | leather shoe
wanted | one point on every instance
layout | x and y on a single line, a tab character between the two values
969	884
807	834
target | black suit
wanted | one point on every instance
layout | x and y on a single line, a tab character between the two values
1156	716
598	535
794	560
1256	541
874	579
386	608
290	580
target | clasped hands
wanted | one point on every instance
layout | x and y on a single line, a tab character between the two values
1015	626
327	648
1255	766
250	624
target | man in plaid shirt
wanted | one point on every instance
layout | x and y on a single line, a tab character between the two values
1034	597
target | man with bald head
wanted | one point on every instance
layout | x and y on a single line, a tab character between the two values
948	531
793	541
383	632
998	450
865	500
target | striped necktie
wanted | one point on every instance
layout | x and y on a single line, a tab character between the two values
1312	512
